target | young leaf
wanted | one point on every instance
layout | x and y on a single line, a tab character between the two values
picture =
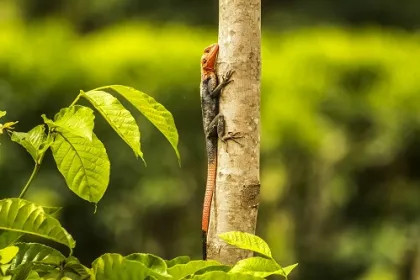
155	112
177	260
221	275
35	252
286	270
116	267
2	114
119	118
7	254
256	266
35	141
77	120
83	163
22	216
246	241
7	126
180	271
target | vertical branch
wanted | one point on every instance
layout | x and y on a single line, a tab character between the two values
236	199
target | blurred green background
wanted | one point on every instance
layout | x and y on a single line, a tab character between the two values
340	126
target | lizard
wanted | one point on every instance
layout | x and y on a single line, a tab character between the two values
214	127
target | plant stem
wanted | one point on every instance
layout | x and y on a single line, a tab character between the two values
34	172
75	101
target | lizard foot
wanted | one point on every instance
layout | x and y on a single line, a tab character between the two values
233	136
227	77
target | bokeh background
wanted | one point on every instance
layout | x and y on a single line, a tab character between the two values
340	126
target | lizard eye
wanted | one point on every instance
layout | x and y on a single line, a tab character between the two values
206	50
204	60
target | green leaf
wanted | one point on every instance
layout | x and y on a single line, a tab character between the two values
77	120
74	265
155	112
116	267
35	141
224	268
23	273
152	262
220	275
2	114
257	266
246	241
180	271
177	260
39	253
83	163
22	216
286	270
7	238
51	210
7	254
119	118
33	276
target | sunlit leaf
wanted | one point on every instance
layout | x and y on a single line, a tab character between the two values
7	126
77	120
116	267
220	275
22	216
180	271
152	262
35	252
2	114
117	116
155	112
256	266
7	254
83	163
35	141
178	260
246	241
224	268
286	270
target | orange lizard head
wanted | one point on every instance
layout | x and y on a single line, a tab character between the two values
208	59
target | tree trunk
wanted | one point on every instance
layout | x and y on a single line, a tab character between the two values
236	199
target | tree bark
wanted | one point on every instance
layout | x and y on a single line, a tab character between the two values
236	199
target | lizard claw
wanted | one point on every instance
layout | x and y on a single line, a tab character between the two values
227	77
232	136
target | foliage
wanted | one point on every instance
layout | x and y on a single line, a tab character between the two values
83	161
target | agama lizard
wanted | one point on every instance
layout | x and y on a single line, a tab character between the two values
214	127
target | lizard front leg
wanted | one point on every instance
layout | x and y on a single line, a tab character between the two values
226	79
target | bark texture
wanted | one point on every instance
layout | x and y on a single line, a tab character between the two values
236	199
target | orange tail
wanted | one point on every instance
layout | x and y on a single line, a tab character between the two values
210	187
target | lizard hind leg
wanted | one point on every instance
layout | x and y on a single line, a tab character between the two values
223	136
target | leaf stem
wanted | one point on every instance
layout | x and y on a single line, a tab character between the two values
75	101
34	172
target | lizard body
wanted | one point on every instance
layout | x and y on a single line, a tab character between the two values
214	127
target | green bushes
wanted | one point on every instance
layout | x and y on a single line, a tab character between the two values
339	139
